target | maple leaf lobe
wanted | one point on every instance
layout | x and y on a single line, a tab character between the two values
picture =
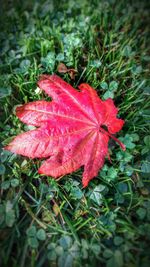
73	129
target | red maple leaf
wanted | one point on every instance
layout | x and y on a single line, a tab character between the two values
73	129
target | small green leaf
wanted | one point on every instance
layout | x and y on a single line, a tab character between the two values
147	141
118	240
116	260
85	244
145	150
112	173
59	250
14	182
68	261
113	86
135	137
96	196
84	253
10	218
104	85
5	92
108	94
124	155
136	70
145	167
128	141
96	248
41	235
75	250
147	90
65	242
76	193
107	253
60	57
65	260
141	212
52	255
127	51
24	65
5	185
2	169
33	242
49	61
51	246
95	63
119	198
122	187
31	231
4	155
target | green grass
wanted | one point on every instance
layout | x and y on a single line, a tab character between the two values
49	223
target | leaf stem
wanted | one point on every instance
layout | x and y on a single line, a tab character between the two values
114	138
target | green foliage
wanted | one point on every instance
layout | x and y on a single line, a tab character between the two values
48	62
146	147
110	89
34	236
96	195
7	214
44	222
5	92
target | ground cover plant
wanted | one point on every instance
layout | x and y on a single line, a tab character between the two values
48	223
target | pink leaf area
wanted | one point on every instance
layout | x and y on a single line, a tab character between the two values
73	129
